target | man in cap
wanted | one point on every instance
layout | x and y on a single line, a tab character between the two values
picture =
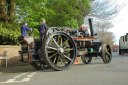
42	28
24	29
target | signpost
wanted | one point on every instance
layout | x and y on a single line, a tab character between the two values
4	58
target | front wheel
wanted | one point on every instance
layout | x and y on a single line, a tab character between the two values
106	53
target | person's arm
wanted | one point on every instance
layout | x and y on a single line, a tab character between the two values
45	26
30	29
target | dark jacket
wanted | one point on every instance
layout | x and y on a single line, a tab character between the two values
42	28
24	29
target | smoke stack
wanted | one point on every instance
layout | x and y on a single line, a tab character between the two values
91	26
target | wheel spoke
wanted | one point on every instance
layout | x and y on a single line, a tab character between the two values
64	60
66	46
107	54
107	58
51	48
52	43
58	60
61	62
55	59
68	49
64	42
67	57
52	55
55	42
67	53
51	51
61	41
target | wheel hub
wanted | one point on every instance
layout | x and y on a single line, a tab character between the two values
60	51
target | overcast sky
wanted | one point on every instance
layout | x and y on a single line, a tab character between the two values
121	22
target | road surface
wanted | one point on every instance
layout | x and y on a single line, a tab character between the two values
95	73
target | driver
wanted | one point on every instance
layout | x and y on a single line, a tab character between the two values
42	29
24	29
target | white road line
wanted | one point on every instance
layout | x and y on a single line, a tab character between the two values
10	80
19	75
26	79
29	75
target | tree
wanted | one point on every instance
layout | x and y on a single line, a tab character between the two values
101	29
64	12
7	10
105	9
106	37
103	25
60	13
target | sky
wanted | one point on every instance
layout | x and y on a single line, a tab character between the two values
120	22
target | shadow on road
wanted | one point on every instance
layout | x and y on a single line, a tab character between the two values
21	69
92	63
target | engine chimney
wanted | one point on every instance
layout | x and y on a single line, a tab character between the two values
91	26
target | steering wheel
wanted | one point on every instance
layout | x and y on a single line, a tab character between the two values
31	32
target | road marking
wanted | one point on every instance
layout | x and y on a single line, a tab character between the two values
26	79
10	80
19	75
29	75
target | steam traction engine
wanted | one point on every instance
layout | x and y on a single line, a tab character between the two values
59	49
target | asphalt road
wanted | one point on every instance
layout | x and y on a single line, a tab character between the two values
95	73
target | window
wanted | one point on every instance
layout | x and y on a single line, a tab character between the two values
125	37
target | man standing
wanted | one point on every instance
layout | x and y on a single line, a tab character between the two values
42	28
24	29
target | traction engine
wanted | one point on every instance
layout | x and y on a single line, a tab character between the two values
60	47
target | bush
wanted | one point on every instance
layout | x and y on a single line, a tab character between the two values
9	34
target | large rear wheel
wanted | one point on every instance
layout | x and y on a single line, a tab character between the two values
59	51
